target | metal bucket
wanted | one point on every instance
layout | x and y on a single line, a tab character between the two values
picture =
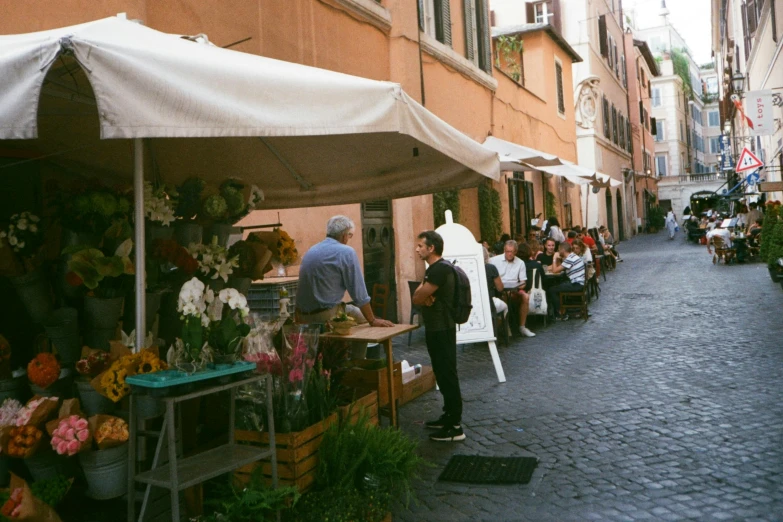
62	329
186	233
101	318
13	388
156	231
222	231
106	472
93	402
148	407
34	292
44	464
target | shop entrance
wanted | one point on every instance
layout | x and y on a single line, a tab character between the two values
520	204
620	218
609	216
378	251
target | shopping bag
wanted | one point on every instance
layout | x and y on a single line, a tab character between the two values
537	297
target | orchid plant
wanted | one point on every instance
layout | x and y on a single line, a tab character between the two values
158	206
213	325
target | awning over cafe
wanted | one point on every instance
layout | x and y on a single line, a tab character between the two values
306	136
516	157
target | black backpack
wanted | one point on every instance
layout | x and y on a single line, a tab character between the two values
462	298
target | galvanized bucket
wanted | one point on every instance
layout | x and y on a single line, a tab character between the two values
34	292
62	329
106	472
101	318
14	388
186	233
93	402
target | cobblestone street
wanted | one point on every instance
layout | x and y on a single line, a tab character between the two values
664	405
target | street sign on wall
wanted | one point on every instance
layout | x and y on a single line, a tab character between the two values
748	161
771	186
726	161
759	109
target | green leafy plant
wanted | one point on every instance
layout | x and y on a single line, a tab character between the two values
93	211
490	212
551	204
104	276
682	69
188	198
656	217
509	47
771	218
340	506
775	251
253	503
443	201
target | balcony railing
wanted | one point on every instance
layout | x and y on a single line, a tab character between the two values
698	178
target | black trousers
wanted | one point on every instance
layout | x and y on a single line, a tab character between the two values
442	347
554	294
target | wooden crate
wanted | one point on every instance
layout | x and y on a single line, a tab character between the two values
419	385
297	454
374	380
367	404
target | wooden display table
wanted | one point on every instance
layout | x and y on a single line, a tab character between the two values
364	333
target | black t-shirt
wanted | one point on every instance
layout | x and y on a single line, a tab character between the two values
438	316
544	259
531	265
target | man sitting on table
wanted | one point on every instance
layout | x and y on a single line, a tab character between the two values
574	267
513	274
329	269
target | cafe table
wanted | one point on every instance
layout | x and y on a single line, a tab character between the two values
383	335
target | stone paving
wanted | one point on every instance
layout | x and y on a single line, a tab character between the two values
665	405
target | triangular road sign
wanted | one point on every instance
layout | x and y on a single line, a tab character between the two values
747	161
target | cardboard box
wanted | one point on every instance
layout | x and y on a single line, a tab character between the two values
422	383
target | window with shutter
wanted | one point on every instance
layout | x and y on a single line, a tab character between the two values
605	111
559	83
621	131
616	60
656	97
614	124
484	40
443	21
624	72
628	136
471	32
656	129
660	164
746	31
427	17
602	41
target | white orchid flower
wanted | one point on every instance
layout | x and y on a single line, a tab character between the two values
124	249
22	224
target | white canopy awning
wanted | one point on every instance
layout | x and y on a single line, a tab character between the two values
306	136
518	157
581	175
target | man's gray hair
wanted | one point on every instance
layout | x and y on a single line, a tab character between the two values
339	225
512	243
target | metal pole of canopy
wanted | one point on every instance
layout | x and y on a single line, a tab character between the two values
138	211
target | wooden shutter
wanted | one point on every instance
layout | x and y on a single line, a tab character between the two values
560	93
555	9
469	7
484	44
628	135
443	21
602	41
607	126
653	127
745	32
641	111
531	13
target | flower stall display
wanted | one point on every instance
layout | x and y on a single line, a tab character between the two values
214	263
282	246
23	441
90	211
109	431
43	370
71	435
112	382
37	411
158	205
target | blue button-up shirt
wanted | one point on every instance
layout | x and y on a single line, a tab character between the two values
328	270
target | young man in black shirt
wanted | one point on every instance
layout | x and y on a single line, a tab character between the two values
436	297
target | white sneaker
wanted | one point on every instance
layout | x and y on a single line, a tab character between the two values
527	333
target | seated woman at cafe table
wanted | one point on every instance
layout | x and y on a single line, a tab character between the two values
574	267
547	257
608	242
723	233
513	275
535	248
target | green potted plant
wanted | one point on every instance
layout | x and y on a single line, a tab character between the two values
228	206
86	214
22	260
770	239
188	209
107	279
159	213
655	219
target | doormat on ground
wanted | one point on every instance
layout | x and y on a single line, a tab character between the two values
489	470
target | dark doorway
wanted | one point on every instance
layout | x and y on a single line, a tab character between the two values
609	216
620	218
378	250
520	204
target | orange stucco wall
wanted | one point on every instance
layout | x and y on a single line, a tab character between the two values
327	34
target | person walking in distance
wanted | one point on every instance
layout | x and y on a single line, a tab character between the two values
436	297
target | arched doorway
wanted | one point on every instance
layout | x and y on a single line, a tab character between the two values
609	215
620	218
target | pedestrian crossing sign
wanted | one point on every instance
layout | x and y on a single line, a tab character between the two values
748	161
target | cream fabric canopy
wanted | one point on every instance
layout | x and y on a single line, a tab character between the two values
306	136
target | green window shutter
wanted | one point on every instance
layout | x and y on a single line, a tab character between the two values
443	21
485	37
469	7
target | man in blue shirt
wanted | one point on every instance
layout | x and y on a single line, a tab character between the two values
329	269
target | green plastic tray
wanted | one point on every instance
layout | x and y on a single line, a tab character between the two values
170	378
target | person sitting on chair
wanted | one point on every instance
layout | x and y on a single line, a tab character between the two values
547	257
574	267
494	286
525	254
512	273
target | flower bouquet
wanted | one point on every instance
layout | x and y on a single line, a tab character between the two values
92	363
112	382
108	431
71	436
213	260
229	205
282	246
43	370
92	211
37	411
9	411
158	205
21	242
36	503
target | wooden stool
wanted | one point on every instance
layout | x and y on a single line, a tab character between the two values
576	301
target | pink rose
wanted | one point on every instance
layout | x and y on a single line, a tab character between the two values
70	434
81	424
62	447
73	447
82	435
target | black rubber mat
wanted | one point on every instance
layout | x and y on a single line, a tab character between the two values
489	470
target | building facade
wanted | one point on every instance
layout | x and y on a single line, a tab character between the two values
440	51
747	41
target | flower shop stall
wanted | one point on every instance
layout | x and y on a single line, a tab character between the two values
180	112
